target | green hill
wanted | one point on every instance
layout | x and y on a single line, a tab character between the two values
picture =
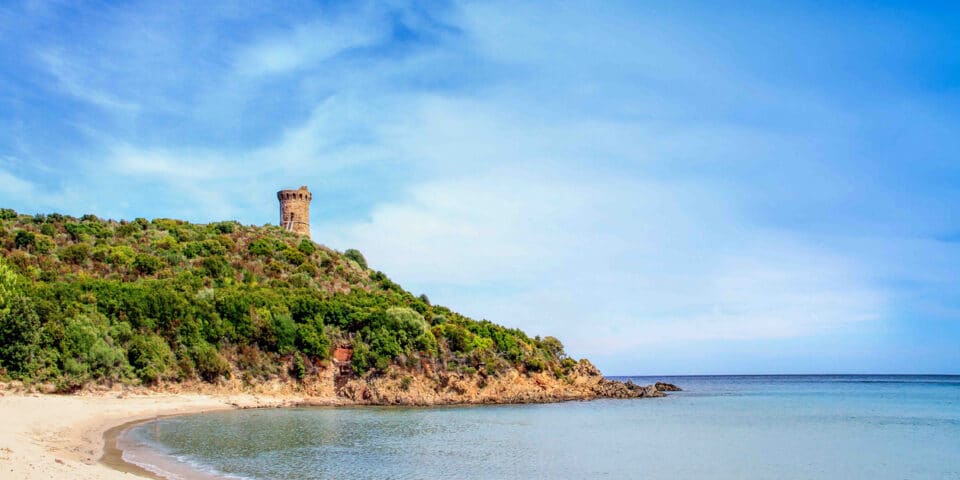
89	300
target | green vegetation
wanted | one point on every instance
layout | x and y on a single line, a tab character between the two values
91	300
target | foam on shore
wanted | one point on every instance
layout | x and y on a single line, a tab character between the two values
124	452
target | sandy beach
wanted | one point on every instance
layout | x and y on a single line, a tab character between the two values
62	436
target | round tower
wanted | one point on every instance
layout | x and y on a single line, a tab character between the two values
295	210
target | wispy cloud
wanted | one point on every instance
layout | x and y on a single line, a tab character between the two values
306	45
647	262
72	82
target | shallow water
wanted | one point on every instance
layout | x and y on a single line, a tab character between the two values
789	427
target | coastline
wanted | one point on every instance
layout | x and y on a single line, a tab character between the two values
74	436
64	436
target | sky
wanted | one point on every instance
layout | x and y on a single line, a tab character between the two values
668	187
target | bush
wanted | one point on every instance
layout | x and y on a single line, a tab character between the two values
43	244
457	337
88	352
76	231
298	369
24	239
151	358
209	363
312	340
8	214
121	256
216	267
9	283
356	256
307	247
225	227
263	247
19	335
553	347
365	358
75	254
285	332
534	364
146	264
124	231
294	257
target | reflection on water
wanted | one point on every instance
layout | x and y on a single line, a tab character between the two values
852	427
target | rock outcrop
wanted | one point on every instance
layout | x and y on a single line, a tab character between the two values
399	387
667	387
328	385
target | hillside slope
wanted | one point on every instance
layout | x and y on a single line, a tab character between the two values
221	305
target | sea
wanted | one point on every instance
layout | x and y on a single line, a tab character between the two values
720	427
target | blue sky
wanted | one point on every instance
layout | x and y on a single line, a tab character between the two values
673	187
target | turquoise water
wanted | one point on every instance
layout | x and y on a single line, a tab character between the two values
790	427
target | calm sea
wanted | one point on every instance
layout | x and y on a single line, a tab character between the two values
720	427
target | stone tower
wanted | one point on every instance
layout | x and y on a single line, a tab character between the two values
295	210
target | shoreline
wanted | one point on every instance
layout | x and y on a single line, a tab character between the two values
75	436
44	436
113	455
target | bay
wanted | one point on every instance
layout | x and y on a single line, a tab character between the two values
723	427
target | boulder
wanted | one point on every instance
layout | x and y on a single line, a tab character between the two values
667	387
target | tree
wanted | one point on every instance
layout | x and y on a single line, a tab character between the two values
311	339
356	256
151	358
553	347
19	336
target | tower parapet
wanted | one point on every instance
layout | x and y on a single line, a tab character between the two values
295	210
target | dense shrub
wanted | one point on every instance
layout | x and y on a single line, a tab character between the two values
224	227
312	339
19	336
307	247
263	247
216	267
75	254
121	255
210	364
151	358
88	352
152	301
146	264
24	239
298	369
294	257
